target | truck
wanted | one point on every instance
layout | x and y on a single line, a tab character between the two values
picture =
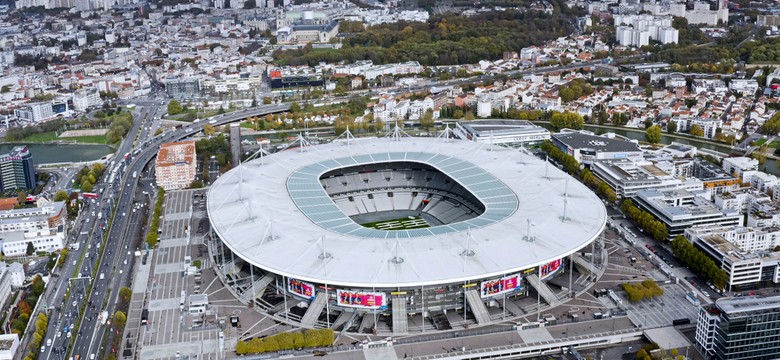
135	174
89	195
103	317
75	246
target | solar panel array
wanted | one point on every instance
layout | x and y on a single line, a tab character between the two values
310	197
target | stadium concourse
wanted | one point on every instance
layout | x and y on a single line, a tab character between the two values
399	234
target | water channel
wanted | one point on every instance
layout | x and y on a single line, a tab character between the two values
60	153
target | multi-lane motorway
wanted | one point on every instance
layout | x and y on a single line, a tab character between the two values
118	246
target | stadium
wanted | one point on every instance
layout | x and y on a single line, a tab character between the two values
399	234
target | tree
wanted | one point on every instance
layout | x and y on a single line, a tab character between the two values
426	121
209	130
671	127
250	4
696	130
119	319
86	186
267	100
653	134
21	197
566	120
125	293
61	195
457	114
174	107
295	107
63	255
30	248
5	89
468	116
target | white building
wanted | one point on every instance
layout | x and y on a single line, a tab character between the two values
745	253
198	304
17	275
35	112
737	166
638	30
86	98
9	344
744	86
502	132
682	209
15	243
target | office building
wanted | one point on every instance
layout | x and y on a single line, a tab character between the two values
587	148
17	170
502	132
681	209
745	253
740	328
44	227
184	88
627	177
176	165
35	112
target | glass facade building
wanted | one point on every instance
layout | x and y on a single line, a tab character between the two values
17	170
740	328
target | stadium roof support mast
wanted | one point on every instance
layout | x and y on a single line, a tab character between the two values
446	134
397	133
528	236
468	252
565	200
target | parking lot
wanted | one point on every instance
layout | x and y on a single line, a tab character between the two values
170	330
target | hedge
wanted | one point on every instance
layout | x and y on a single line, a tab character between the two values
152	236
645	290
286	341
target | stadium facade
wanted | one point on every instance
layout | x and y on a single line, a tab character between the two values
360	231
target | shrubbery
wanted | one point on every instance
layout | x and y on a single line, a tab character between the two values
152	237
698	262
645	220
645	290
573	167
286	341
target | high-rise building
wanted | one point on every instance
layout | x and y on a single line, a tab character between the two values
176	165
17	170
740	328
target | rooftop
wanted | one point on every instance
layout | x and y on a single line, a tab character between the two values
748	305
500	127
578	140
281	218
176	153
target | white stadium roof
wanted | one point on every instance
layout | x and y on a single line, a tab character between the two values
282	220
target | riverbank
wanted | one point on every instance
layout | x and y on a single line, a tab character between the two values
56	153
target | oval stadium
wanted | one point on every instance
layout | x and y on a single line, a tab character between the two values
399	234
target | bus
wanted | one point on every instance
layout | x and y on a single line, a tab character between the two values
89	195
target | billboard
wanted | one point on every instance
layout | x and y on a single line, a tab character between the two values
499	286
549	268
362	299
300	288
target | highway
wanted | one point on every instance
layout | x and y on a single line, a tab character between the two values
88	233
90	333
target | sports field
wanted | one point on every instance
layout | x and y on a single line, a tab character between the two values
404	223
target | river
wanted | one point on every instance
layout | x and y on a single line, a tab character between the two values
59	153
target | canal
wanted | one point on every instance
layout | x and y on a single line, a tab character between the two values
59	153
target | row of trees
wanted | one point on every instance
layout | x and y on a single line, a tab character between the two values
566	120
771	126
286	341
26	304
88	177
645	220
698	262
40	333
639	291
152	237
571	166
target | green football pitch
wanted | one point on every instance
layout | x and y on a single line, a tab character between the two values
404	223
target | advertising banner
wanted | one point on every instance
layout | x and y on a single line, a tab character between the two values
499	286
361	299
300	288
549	268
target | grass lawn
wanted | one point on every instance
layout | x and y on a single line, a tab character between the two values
92	139
41	137
403	223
